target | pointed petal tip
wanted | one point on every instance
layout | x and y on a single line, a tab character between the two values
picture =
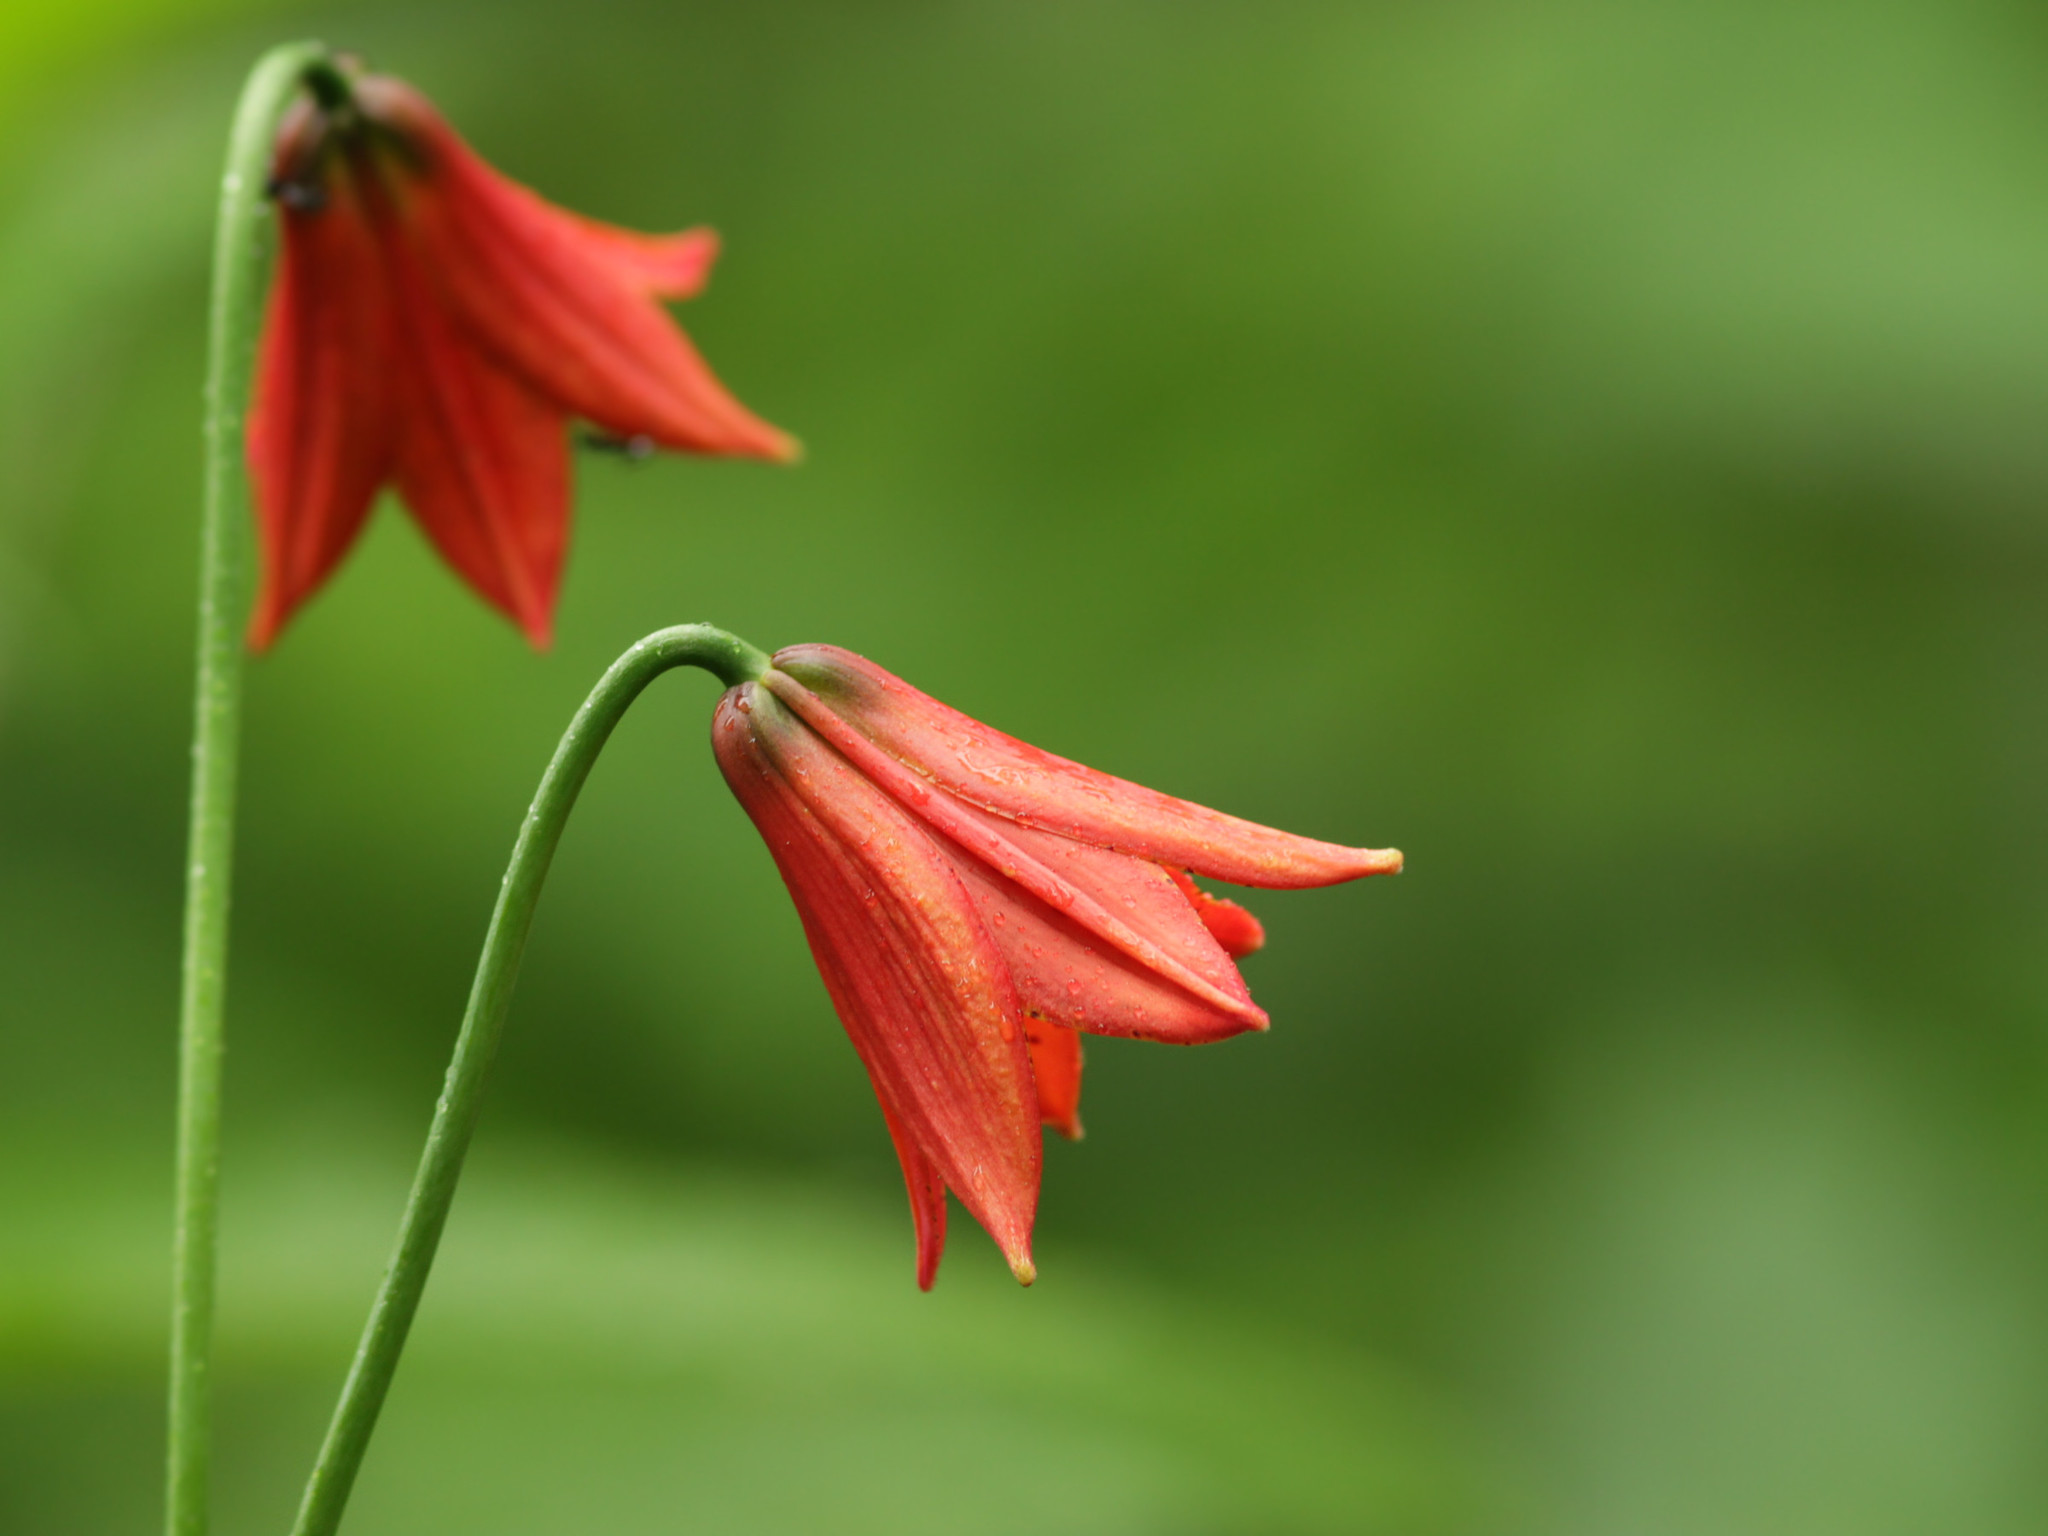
539	629
267	620
268	615
756	440
1024	1270
1372	861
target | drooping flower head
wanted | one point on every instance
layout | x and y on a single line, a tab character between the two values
434	326
975	905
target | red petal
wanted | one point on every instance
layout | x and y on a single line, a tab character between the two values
483	461
568	309
668	266
1016	781
1065	974
927	1200
1128	902
1056	1067
320	436
1230	925
912	971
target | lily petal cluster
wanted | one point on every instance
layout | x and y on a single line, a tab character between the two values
434	326
975	905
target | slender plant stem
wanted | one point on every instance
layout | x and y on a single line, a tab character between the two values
483	1024
239	262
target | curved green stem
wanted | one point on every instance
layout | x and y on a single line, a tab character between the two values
483	1024
239	262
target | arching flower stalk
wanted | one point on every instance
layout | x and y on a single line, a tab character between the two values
972	903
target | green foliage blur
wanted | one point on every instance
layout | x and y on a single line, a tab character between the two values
1597	448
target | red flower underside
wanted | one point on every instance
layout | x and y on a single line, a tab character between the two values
1087	937
863	844
913	974
435	325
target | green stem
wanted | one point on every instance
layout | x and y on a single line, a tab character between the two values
483	1024
239	263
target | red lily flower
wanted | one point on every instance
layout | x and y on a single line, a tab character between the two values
434	326
975	905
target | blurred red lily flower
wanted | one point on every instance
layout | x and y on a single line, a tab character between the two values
975	904
433	326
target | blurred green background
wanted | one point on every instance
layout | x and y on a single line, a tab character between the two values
1597	448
